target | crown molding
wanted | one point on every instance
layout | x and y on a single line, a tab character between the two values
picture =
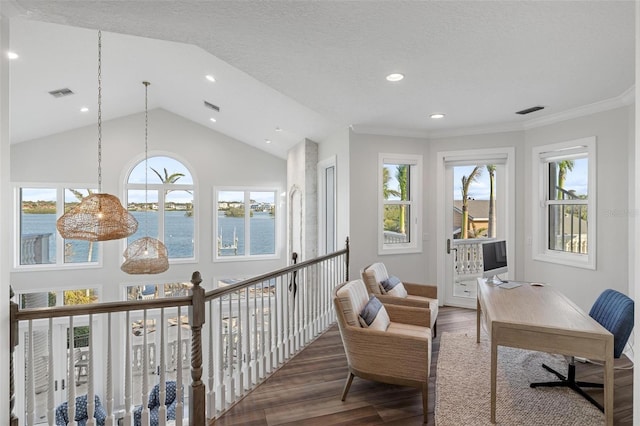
383	131
477	130
625	98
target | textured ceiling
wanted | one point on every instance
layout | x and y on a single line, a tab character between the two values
312	67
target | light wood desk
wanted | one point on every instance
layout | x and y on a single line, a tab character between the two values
543	319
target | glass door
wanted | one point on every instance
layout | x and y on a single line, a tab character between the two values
475	195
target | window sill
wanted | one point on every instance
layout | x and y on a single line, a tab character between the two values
567	259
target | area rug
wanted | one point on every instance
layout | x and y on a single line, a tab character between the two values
463	387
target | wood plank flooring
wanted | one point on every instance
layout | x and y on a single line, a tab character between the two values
307	389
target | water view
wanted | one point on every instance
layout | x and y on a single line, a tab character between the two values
178	234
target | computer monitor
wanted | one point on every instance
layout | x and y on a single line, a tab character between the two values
494	258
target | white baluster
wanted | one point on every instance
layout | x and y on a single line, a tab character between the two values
179	391
50	396
144	418
128	417
71	373
162	410
30	378
211	393
110	420
239	354
91	404
221	369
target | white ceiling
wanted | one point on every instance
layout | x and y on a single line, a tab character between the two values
313	67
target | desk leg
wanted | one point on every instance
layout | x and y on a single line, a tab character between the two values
478	321
608	388
494	370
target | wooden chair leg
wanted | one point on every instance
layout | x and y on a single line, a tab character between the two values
435	329
425	400
347	386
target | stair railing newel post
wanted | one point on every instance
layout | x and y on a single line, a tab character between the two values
13	342
346	261
197	406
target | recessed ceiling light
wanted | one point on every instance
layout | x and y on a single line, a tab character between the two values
12	55
395	77
84	109
437	115
210	78
213	119
267	141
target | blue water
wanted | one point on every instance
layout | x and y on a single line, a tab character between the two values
178	235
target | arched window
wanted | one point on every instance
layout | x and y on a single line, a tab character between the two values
163	205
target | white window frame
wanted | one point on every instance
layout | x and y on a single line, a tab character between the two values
542	156
415	202
58	240
162	189
247	224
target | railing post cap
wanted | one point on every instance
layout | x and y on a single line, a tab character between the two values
196	278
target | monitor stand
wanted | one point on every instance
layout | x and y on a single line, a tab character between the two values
495	280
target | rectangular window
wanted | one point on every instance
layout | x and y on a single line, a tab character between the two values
245	223
565	175
39	242
399	211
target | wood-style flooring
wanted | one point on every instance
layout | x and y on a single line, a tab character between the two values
307	390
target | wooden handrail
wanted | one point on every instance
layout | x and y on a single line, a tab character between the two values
219	292
100	308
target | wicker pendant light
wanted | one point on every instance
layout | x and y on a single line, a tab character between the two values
98	217
146	255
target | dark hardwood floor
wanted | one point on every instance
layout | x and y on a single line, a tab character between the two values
307	389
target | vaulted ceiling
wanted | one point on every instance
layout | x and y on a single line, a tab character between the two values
310	68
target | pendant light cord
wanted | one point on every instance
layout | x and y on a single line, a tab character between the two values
146	158
99	111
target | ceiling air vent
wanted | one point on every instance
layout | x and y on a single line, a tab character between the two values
530	110
211	106
60	93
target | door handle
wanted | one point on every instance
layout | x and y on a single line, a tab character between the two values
55	385
449	248
62	384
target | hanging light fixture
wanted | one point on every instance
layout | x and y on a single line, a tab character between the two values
146	255
98	217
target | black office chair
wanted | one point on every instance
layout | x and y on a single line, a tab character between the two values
614	311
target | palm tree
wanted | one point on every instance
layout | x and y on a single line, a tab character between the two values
401	175
466	182
168	178
564	166
386	191
491	231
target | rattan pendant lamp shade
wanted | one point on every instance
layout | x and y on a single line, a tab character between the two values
146	255
98	217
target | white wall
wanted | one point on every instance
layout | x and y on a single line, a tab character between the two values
338	145
583	286
214	159
363	175
5	216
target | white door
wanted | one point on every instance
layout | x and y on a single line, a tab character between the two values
476	204
327	230
60	377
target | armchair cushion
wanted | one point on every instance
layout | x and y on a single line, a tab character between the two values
353	297
393	287
374	315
